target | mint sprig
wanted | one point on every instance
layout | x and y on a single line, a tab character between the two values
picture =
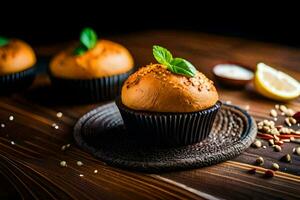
88	40
175	65
3	41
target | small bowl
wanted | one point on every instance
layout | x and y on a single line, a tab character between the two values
233	81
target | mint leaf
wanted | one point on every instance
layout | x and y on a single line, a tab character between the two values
175	65
162	55
182	66
3	41
88	38
80	50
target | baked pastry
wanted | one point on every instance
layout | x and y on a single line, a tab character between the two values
96	71
173	106
17	61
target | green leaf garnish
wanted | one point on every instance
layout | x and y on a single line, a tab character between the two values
162	55
3	41
80	50
88	40
175	65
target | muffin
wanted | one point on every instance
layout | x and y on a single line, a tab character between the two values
94	69
17	60
169	106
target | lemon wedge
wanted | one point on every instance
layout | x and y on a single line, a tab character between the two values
275	84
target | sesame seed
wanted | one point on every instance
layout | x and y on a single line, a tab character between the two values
63	163
259	161
68	145
11	118
228	102
63	148
275	166
56	127
81	175
247	107
12	142
2	125
95	171
59	114
79	163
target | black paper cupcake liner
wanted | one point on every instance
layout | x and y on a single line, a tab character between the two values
170	129
17	81
98	89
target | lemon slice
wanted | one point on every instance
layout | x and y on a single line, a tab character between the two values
275	84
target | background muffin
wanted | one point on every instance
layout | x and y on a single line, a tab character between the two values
17	60
174	106
95	68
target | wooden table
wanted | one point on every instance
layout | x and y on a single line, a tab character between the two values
30	148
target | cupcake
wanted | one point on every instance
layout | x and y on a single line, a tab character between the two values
94	69
17	60
169	103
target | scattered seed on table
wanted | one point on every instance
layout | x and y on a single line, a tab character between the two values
261	123
2	125
63	147
286	158
63	163
228	102
276	138
68	145
273	113
297	151
282	108
277	148
269	174
81	175
259	161
264	147
293	120
11	118
275	166
289	112
295	140
247	107
95	171
256	144
79	163
59	114
287	121
12	142
286	140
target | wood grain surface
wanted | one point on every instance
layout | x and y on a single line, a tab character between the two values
30	147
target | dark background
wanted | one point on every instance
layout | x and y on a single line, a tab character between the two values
53	22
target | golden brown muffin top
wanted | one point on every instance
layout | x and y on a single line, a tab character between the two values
107	58
154	88
16	56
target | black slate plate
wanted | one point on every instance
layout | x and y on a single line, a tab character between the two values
101	132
